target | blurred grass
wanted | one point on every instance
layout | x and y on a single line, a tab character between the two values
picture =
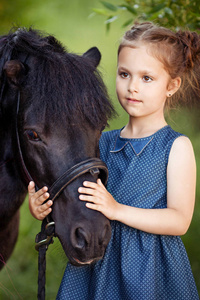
69	22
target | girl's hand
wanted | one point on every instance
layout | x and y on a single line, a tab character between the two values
36	200
99	199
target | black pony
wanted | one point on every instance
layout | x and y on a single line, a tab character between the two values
53	107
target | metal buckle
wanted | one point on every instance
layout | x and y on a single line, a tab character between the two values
49	239
94	171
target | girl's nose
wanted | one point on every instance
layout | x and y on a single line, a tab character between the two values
133	86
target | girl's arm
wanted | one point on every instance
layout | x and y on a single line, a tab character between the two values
36	200
181	185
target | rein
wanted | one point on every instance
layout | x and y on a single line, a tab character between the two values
94	166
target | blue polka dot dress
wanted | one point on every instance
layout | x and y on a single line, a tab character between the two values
137	265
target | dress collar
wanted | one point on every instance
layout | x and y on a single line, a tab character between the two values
138	145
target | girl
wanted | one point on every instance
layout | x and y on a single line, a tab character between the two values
150	194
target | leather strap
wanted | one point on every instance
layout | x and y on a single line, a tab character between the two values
92	165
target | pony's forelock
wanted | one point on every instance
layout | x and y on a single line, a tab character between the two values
64	84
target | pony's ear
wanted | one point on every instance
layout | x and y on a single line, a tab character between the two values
94	55
14	71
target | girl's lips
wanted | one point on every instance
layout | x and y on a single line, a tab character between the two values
133	100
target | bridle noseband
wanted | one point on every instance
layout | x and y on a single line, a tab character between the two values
94	166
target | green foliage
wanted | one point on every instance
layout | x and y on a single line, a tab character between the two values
171	13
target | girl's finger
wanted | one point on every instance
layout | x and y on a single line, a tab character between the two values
44	207
40	200
99	182
95	186
35	196
92	185
88	198
93	206
31	188
87	191
44	214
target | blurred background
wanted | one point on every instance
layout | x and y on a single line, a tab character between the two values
79	25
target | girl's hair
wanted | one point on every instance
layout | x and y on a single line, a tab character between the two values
178	51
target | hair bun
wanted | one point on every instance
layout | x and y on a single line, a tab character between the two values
191	44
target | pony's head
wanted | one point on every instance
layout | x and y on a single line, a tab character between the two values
54	106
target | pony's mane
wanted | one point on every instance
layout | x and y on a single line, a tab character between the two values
63	84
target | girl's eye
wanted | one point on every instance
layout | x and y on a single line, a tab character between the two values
124	75
147	78
32	135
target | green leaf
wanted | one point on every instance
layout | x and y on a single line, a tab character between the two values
168	11
107	27
100	11
129	8
158	14
127	23
111	19
93	14
157	8
109	6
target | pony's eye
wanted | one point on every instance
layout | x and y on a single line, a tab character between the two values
32	135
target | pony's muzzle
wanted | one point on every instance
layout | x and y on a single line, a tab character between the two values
87	246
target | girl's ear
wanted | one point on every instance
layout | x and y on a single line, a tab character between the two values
173	86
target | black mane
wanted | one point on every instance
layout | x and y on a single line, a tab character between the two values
64	85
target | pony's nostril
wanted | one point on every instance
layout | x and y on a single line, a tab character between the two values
81	238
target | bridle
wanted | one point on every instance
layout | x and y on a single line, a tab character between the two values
94	166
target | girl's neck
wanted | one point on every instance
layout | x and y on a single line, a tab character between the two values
137	128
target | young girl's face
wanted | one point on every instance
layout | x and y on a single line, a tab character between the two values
142	83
